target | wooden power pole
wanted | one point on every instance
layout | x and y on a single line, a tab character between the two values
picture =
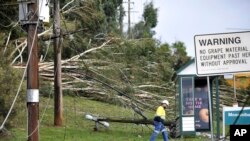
129	23
121	18
58	110
32	73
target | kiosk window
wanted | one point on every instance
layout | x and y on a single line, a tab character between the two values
187	92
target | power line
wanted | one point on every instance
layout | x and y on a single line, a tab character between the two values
20	85
9	4
113	88
24	74
62	35
107	85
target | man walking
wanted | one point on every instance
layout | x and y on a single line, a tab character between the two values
159	122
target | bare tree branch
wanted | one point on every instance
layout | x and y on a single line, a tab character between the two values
7	42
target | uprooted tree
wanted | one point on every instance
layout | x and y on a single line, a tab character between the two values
98	62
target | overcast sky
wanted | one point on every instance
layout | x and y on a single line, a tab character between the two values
180	20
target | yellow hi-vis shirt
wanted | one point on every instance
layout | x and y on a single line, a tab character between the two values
161	112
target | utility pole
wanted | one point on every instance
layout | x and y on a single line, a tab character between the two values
58	111
129	24
129	19
32	72
121	18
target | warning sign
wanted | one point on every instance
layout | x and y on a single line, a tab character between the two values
216	54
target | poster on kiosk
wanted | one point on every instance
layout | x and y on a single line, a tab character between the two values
201	106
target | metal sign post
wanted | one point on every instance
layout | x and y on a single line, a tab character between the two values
210	109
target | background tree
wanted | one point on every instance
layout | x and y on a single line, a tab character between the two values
179	54
8	13
9	80
143	29
8	22
150	15
142	68
110	8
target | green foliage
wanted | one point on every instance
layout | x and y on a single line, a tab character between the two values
9	17
10	80
136	66
150	15
135	62
46	89
110	8
180	54
97	18
86	16
8	14
143	29
9	77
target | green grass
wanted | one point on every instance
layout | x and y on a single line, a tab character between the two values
77	128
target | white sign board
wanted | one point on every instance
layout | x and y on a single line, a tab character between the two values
217	54
188	124
228	76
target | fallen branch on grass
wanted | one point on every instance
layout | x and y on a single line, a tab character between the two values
134	121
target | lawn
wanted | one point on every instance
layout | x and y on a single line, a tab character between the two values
77	128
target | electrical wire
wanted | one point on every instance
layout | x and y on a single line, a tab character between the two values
8	4
19	88
43	114
50	94
11	22
107	85
14	23
37	24
47	103
20	85
48	45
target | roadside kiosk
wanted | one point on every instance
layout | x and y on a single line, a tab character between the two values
193	101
